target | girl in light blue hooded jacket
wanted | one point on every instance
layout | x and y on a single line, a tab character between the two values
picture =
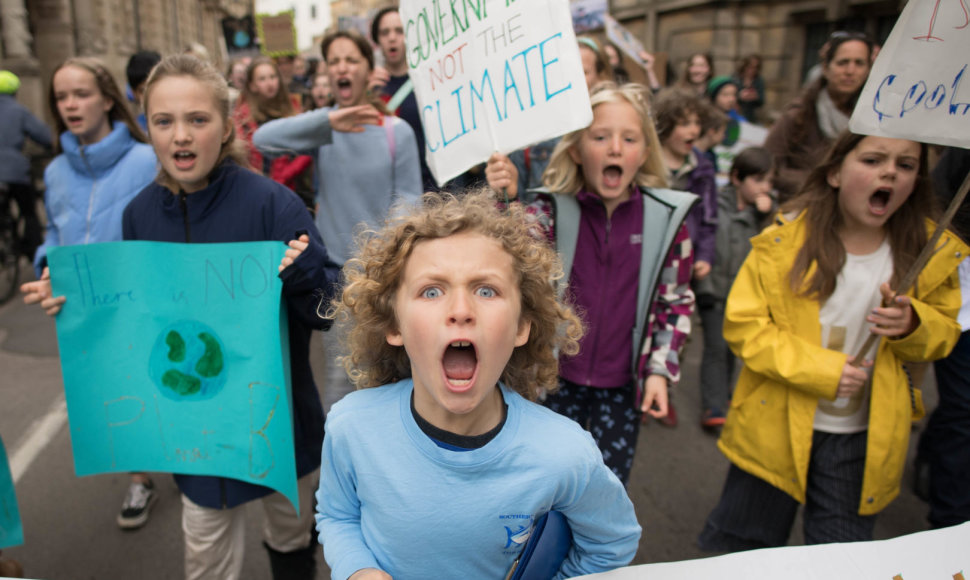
103	161
104	158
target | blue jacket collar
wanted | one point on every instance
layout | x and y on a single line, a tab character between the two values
98	158
199	203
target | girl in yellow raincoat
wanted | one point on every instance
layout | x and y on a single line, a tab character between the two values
805	425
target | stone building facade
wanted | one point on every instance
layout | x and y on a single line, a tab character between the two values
786	33
36	35
340	8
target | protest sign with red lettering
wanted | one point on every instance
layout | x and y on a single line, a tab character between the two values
492	75
918	87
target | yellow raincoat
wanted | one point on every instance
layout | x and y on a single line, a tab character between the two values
786	371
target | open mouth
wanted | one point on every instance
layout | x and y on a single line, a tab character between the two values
460	361
612	176
879	201
74	120
184	159
345	88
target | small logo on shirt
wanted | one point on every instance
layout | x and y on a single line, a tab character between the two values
636	239
516	532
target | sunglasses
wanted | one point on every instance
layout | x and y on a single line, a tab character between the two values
848	35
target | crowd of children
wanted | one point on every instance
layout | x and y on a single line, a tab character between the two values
551	305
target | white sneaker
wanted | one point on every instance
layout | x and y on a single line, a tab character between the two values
138	502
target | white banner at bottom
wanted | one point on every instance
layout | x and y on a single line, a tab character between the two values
934	555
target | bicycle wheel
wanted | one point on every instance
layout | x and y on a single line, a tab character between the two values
9	247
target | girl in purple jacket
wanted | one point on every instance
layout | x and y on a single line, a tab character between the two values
627	258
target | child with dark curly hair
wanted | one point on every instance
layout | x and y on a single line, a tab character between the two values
452	311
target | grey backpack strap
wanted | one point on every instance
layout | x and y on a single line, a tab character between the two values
566	224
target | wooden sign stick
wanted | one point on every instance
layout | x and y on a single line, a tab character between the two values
910	278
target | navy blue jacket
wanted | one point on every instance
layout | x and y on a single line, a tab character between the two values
239	205
18	122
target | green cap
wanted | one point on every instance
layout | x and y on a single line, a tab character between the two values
717	83
9	82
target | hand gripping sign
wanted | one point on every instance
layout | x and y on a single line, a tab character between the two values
918	90
492	75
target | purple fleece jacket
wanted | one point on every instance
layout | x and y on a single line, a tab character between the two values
702	220
603	284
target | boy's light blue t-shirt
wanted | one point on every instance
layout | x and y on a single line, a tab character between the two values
391	498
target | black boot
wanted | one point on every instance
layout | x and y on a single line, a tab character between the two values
296	565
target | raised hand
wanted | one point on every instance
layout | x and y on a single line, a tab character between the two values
39	292
294	250
501	173
353	119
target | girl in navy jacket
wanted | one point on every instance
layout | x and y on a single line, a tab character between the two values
205	193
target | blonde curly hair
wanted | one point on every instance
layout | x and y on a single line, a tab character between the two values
365	310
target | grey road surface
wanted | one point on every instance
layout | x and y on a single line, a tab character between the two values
69	522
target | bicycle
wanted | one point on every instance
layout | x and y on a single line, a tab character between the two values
11	234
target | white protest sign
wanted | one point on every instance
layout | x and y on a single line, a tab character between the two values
934	555
588	14
917	88
624	40
740	136
492	75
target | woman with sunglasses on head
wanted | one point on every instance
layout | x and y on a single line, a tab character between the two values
811	123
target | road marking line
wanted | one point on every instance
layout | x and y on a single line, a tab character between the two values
38	436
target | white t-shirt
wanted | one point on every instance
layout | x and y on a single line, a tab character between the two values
844	328
964	316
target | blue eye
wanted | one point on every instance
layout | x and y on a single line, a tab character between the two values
431	293
486	292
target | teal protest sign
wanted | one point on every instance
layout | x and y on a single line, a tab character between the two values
175	358
11	532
